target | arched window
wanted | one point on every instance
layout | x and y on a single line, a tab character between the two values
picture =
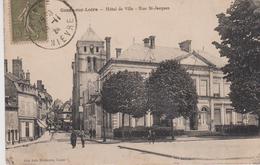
92	49
204	109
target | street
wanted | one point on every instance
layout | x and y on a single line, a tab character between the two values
59	151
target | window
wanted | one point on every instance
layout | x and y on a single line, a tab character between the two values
94	64
228	116
194	83
85	48
226	89
204	88
27	129
89	64
216	89
97	49
92	49
9	135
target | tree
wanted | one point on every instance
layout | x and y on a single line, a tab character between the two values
171	92
124	92
239	30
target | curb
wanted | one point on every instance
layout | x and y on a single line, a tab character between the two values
26	145
29	143
101	142
182	158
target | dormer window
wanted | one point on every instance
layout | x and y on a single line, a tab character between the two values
92	49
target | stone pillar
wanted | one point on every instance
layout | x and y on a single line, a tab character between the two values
222	114
92	64
148	121
133	124
212	109
221	87
210	83
198	85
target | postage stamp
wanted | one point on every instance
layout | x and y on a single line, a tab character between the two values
28	20
61	26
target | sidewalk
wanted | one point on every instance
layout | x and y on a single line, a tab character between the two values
44	138
108	141
178	139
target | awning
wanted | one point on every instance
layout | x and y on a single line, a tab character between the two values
41	123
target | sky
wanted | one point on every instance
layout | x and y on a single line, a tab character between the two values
185	19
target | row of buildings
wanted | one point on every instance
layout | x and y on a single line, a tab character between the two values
93	64
26	105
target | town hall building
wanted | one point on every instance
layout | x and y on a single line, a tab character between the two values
93	65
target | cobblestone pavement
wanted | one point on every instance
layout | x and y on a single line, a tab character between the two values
58	151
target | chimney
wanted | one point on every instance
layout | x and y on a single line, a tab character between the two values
27	76
6	66
152	42
146	42
108	48
17	67
39	84
118	52
185	46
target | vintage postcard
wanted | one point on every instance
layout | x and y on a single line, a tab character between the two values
132	82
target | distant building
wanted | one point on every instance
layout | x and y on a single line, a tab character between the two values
214	105
65	115
24	106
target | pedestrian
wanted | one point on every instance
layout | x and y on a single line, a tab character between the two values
153	136
149	135
94	133
90	133
82	138
73	139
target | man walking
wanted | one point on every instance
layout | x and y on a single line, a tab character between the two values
90	133
94	133
73	139
82	138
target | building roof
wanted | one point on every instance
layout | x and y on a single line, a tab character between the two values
90	35
138	52
214	59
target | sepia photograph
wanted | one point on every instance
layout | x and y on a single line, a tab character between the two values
131	82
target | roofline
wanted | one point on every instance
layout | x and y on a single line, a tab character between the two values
123	61
203	59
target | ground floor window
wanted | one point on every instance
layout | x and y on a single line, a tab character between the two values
217	117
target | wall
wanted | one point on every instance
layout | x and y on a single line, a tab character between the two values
11	126
27	105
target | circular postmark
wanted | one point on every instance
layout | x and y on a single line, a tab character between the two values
48	26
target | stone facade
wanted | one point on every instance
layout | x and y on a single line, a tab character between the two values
25	105
11	122
89	58
214	106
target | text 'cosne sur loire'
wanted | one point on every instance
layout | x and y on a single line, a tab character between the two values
140	8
